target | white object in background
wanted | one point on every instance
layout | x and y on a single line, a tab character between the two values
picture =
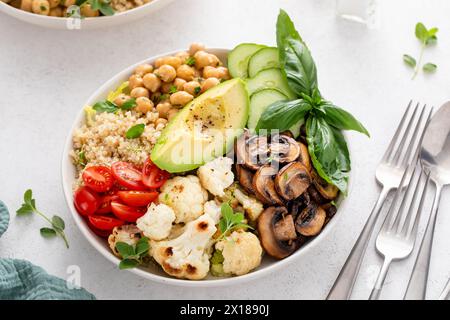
362	11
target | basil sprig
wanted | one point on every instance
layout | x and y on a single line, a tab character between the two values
324	120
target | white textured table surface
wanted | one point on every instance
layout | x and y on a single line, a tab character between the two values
46	75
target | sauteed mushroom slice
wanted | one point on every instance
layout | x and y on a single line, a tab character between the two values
264	186
292	180
304	156
252	151
330	211
245	178
270	239
284	149
327	190
284	229
287	133
315	195
311	220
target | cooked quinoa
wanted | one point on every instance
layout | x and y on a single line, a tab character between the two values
104	141
124	5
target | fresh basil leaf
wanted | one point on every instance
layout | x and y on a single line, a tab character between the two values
282	115
125	250
421	32
28	196
58	223
105	106
142	246
129	104
329	152
128	264
410	61
106	9
135	131
295	57
25	209
429	67
47	232
343	120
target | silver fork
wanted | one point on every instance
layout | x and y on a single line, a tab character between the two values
399	231
401	152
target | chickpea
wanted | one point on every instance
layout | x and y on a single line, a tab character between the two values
183	56
166	87
159	62
87	11
185	72
223	73
163	109
161	121
172	61
180	98
135	81
211	72
68	3
152	82
196	47
209	83
56	12
144	104
139	92
166	72
143	69
214	59
179	83
121	99
172	113
40	7
192	87
26	5
203	59
53	3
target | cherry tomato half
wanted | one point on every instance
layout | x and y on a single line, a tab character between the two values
105	204
137	198
152	176
86	201
104	223
127	175
101	233
127	213
98	178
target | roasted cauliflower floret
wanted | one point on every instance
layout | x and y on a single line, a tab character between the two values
241	252
253	208
187	256
216	176
129	234
185	196
213	209
156	224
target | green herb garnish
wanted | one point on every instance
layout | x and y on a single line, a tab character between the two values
105	106
129	104
132	256
103	6
326	144
82	158
426	37
173	89
190	61
230	221
56	222
197	90
135	131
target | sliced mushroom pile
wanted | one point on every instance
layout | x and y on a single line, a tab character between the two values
278	171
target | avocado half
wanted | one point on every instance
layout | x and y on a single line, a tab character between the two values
204	129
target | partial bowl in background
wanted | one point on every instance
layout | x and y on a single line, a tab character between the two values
85	23
154	272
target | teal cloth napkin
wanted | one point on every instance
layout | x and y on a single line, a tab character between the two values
21	280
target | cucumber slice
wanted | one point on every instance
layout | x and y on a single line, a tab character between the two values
259	102
262	59
269	78
238	59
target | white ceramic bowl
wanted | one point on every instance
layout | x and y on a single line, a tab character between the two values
155	273
86	23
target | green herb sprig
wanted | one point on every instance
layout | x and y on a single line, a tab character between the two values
324	120
111	107
103	6
56	222
135	131
426	37
230	221
132	256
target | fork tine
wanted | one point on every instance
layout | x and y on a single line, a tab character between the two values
396	136
402	143
414	155
412	226
412	142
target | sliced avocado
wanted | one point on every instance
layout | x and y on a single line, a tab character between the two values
262	59
238	59
204	129
270	78
260	101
